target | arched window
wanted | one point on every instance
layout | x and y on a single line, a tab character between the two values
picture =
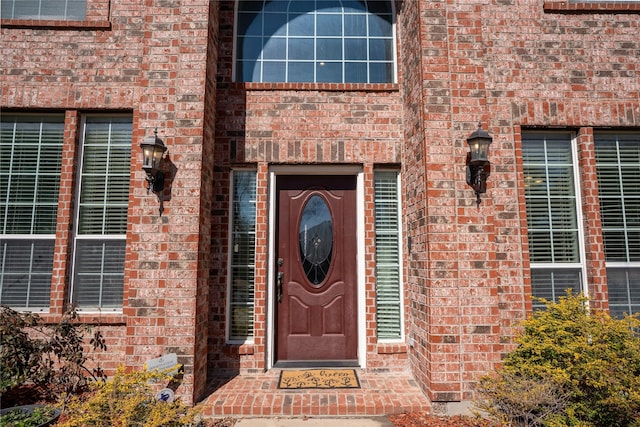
334	41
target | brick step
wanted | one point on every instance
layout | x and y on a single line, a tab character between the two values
259	395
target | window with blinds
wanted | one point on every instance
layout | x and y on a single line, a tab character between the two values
68	10
618	169
242	257
388	257
98	270
30	163
552	214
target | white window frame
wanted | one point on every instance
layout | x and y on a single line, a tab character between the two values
77	237
286	60
399	234
356	171
64	14
619	265
581	265
231	244
21	118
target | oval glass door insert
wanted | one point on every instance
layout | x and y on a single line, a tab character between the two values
316	239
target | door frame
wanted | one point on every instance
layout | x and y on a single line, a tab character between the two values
354	170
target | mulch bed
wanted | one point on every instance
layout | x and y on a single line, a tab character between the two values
223	422
414	419
423	419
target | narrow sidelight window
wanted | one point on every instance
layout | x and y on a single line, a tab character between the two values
388	255
242	257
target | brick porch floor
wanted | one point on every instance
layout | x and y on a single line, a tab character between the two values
259	396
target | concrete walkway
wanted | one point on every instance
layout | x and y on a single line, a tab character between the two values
314	422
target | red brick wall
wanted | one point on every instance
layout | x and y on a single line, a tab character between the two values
410	35
509	66
150	59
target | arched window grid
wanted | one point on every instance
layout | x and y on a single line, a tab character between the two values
278	54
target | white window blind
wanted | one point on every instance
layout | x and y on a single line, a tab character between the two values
552	213
30	162
243	238
70	10
102	213
388	260
618	169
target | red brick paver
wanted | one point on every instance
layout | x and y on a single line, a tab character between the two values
259	395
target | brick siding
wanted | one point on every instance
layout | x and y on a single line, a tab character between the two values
149	59
507	66
511	66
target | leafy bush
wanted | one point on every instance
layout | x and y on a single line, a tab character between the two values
572	367
520	400
29	416
49	359
127	399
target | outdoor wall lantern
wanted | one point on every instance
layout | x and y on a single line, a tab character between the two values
478	165
152	151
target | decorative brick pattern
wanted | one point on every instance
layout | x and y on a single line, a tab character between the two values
572	6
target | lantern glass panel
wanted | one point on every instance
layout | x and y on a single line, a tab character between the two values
479	149
147	156
157	156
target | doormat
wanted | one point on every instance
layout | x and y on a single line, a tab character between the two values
318	378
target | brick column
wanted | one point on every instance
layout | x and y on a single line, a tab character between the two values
452	278
167	265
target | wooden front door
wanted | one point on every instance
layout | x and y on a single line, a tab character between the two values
316	280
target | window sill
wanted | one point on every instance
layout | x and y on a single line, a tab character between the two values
555	6
341	87
55	24
391	348
239	349
101	319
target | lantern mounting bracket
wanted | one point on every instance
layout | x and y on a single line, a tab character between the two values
155	182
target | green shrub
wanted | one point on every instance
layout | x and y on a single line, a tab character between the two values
49	359
128	399
519	400
24	416
571	367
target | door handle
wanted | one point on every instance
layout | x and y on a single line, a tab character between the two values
279	285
